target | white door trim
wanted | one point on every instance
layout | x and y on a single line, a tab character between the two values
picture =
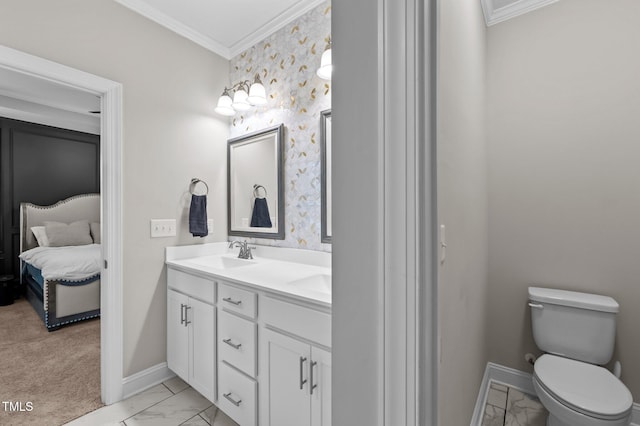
111	190
384	287
409	200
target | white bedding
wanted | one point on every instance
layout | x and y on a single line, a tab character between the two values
70	263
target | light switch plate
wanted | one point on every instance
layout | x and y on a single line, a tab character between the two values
210	225
163	228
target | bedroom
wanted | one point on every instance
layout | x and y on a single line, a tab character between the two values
50	152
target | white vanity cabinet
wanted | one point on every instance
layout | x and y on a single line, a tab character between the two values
254	339
296	384
190	330
237	354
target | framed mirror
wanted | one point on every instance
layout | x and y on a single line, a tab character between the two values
255	192
325	148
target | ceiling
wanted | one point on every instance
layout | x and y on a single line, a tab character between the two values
28	98
226	27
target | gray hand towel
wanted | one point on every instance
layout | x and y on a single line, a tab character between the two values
198	216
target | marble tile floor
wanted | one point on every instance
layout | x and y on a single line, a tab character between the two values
508	406
172	403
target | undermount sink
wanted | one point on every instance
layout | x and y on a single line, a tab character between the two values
222	262
320	283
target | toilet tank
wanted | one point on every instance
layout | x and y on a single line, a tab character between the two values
575	325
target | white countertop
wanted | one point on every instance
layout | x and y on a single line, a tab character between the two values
306	277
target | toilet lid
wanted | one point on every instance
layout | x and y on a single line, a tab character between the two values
587	388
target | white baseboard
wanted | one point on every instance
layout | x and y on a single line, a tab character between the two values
145	379
521	381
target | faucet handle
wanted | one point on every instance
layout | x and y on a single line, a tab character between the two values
248	253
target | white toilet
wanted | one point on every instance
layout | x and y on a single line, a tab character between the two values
577	332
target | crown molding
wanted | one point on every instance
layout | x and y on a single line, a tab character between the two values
143	8
493	15
278	22
18	109
149	12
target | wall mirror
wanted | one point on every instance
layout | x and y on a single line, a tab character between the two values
255	193
325	146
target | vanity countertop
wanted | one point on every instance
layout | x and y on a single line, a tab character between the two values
299	274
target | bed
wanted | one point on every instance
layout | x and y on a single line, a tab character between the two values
60	270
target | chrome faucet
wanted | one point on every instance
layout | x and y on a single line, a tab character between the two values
245	250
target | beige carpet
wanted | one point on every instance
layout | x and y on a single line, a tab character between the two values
57	372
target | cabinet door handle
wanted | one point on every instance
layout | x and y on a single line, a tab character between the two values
233	302
302	381
231	400
312	386
230	343
186	315
181	313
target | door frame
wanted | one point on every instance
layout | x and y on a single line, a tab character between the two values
384	335
110	93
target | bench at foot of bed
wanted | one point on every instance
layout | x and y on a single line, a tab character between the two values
60	304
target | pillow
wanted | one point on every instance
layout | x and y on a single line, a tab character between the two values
95	232
41	235
73	234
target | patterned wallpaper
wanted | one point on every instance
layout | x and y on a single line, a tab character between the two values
287	62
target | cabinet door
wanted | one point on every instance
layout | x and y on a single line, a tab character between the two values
287	379
177	335
201	320
320	381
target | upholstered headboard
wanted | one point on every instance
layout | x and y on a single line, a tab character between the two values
78	207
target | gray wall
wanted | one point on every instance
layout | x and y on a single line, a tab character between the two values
564	156
357	241
170	135
462	207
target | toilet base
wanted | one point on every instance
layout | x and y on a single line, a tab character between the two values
560	415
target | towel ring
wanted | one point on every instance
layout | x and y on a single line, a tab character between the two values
256	192
194	182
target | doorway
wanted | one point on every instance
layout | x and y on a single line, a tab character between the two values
110	94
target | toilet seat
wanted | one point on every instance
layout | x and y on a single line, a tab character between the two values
585	388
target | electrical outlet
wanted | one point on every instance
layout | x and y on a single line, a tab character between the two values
163	228
210	225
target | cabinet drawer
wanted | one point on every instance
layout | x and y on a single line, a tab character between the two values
237	300
192	285
304	322
237	342
238	395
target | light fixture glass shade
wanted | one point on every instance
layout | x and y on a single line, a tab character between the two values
224	105
257	94
240	102
326	68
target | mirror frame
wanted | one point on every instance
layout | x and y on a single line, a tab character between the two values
278	131
325	237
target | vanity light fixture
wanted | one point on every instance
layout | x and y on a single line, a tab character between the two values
244	97
224	104
257	92
326	68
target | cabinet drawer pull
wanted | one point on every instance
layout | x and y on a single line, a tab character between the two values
230	343
231	400
302	381
312	386
233	302
181	313
186	315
